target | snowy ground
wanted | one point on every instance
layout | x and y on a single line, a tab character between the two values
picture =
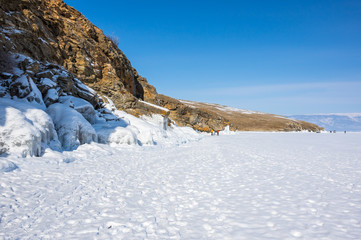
245	186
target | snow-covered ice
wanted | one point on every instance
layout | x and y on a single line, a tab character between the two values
242	186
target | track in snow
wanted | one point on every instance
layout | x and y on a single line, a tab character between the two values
247	186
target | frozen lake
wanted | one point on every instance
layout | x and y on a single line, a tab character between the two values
245	186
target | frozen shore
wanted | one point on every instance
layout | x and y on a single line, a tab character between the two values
244	186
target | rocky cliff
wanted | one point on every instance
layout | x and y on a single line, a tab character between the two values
51	32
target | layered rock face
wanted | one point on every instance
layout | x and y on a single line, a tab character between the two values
52	32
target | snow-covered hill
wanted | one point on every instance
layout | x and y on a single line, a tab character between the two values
333	121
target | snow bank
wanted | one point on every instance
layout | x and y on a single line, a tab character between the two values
154	126
121	136
148	130
7	166
25	129
73	129
115	133
227	131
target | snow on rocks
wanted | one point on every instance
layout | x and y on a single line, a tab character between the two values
25	128
24	88
51	96
80	105
69	105
72	128
45	84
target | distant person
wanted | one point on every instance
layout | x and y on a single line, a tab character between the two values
217	132
345	131
211	132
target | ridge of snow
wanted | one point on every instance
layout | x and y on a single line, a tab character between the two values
221	107
155	106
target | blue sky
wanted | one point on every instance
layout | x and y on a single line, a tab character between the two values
282	57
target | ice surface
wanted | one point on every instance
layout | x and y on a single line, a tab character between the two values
244	186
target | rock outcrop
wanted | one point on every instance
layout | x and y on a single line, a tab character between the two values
51	31
56	34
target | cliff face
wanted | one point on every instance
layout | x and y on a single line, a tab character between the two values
50	31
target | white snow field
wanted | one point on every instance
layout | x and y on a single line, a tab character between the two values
243	186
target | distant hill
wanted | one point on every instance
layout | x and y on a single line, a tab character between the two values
244	120
333	121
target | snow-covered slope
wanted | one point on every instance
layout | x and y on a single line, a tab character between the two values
220	107
333	121
246	186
